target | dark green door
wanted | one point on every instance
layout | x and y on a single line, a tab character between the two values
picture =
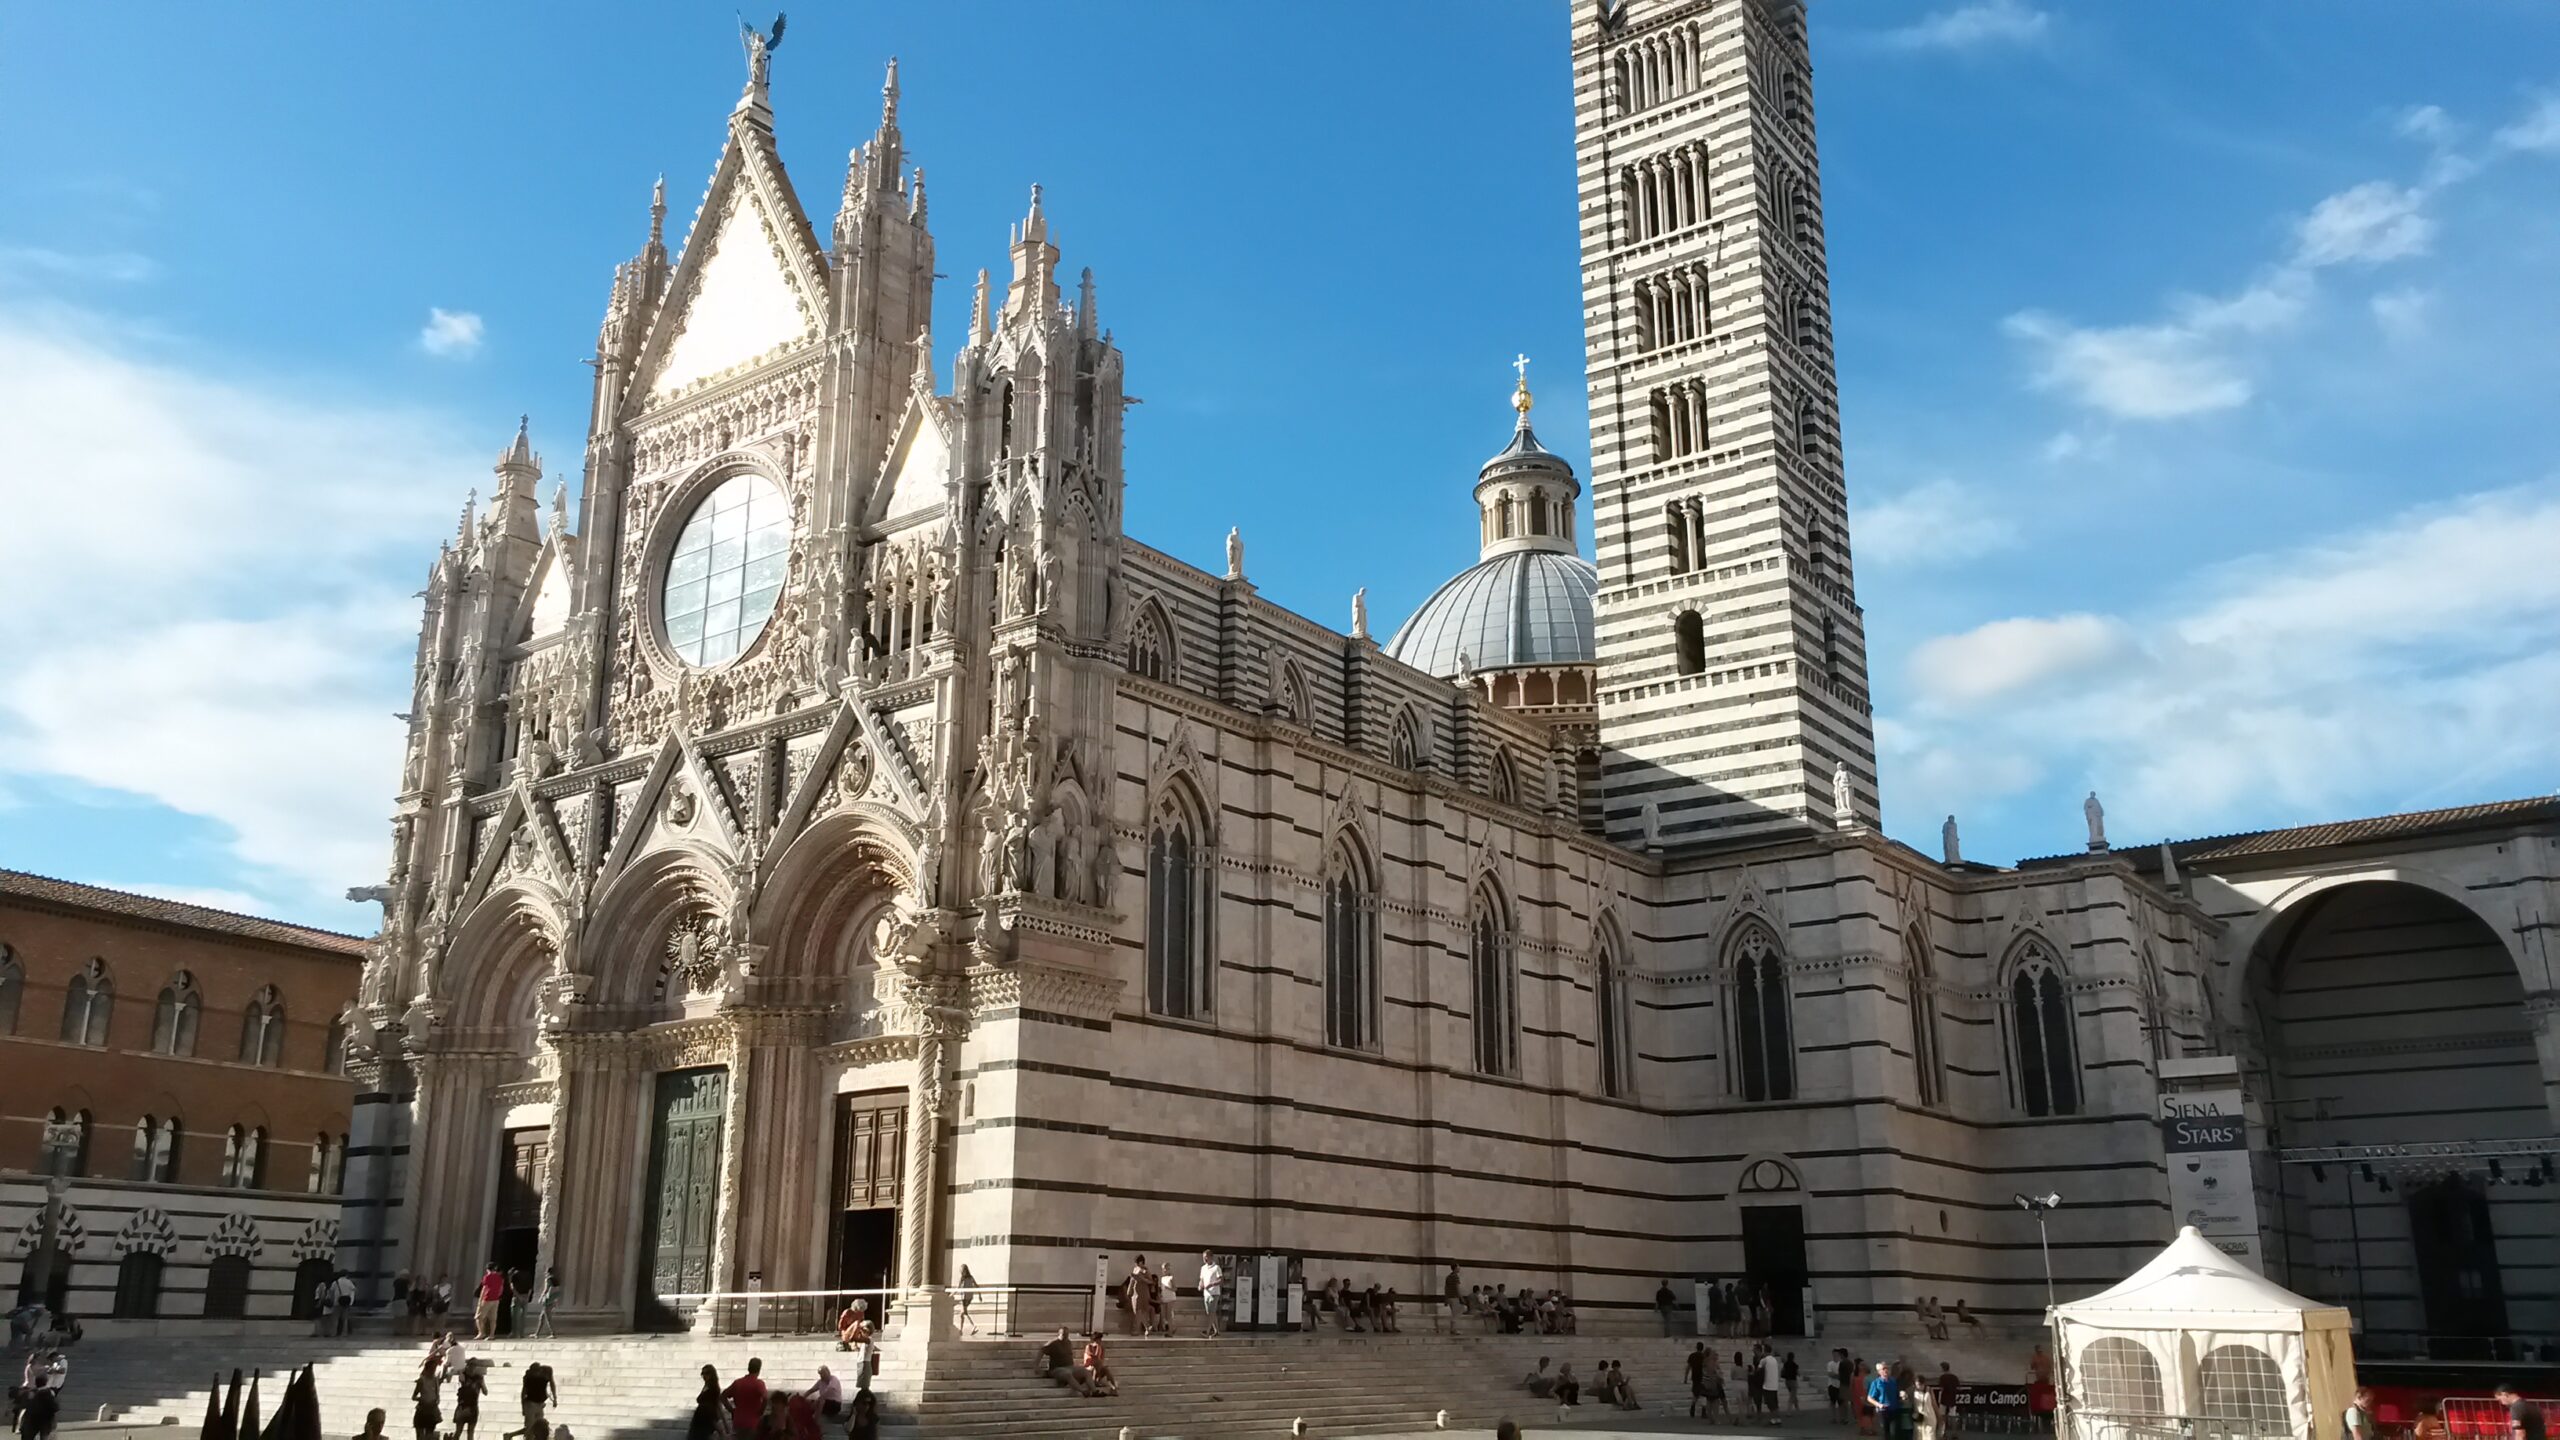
684	1192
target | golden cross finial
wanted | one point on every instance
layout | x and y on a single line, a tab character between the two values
1520	397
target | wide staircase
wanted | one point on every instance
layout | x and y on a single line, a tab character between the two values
642	1387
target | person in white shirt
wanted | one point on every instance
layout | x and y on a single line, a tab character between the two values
1773	1381
1212	1279
342	1295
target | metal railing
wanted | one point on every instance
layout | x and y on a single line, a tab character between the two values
2120	1425
1010	1310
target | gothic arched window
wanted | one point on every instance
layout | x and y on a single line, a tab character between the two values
1920	997
1496	987
13	988
163	1166
1763	1030
1505	779
1689	643
1404	741
333	1046
86	1003
174	1019
1293	695
138	1285
1150	647
262	1029
1180	878
1350	947
1609	990
2045	1060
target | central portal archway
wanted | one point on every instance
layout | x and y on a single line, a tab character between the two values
2385	1015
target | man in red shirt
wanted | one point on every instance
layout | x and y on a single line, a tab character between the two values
746	1401
484	1314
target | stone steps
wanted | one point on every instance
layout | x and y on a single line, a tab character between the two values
642	1387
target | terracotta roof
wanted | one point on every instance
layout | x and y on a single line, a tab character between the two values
45	890
2414	825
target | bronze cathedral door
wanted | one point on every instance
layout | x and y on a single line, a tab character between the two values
684	1192
871	1149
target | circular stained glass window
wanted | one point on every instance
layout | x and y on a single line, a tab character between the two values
727	570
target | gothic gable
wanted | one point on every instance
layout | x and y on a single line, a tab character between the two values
546	608
749	284
917	476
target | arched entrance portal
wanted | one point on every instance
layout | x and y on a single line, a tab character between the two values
2390	1039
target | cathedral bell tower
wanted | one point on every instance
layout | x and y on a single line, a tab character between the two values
1733	675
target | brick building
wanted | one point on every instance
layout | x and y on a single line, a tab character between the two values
179	1071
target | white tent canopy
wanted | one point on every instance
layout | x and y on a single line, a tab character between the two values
2197	1340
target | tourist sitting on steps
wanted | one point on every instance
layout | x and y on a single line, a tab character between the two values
1568	1389
1538	1382
1058	1362
1098	1366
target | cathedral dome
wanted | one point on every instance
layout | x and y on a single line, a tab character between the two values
1526	607
1527	599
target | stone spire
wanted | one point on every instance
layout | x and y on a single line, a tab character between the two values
1086	322
1035	265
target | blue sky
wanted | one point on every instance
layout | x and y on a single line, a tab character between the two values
2198	363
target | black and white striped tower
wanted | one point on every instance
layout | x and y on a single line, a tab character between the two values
1732	655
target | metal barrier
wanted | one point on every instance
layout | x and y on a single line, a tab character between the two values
1007	1310
2475	1417
2111	1425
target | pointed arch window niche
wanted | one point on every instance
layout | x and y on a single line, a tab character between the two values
1181	880
262	1029
1920	998
1495	986
1764	1051
175	1019
1405	749
13	988
1609	991
1150	648
86	1003
1351	924
2044	1056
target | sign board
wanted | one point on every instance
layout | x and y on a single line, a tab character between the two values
1101	1318
2204	1140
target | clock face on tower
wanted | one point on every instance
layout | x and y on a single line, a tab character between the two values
726	571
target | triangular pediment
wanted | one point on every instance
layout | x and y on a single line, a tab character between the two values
749	285
546	607
917	475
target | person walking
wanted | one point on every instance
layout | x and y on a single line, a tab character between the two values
1212	1282
966	1293
546	1306
426	1415
466	1401
1452	1291
1773	1380
707	1420
539	1390
1664	1303
324	1294
1166	1298
484	1309
342	1294
1140	1292
1950	1391
1885	1400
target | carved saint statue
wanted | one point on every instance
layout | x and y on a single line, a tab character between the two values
1044	840
1106	865
1075	865
1947	839
1844	812
2097	817
1017	850
760	47
1235	553
1360	613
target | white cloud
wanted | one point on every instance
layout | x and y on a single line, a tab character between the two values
2381	669
2007	656
2402	313
2132	372
2371	223
1982	25
1941	522
38	262
2537	130
2429	124
453	334
211	586
212	897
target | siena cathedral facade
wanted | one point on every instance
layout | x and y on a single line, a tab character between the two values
839	854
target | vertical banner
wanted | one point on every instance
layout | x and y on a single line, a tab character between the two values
2204	1139
1101	1294
1269	1314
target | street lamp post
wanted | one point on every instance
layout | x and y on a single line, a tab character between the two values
2040	1206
